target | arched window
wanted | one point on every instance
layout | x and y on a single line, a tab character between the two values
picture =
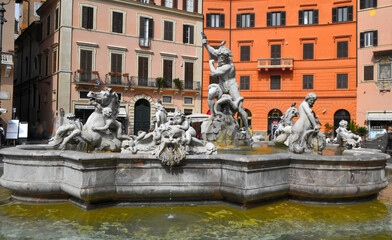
274	117
341	114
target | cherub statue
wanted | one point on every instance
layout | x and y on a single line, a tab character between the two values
111	122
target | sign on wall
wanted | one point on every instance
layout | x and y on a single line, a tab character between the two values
12	129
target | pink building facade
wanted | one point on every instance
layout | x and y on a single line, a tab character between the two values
123	45
374	101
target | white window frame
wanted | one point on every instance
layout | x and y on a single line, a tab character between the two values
169	3
194	31
276	19
190	7
81	5
111	20
93	55
190	104
183	72
342	14
368	39
138	54
215	20
171	99
308	17
163	28
58	20
80	98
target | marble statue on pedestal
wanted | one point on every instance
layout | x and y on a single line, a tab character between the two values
222	127
305	134
102	132
346	138
171	140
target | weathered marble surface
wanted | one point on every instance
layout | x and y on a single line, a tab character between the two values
111	177
346	138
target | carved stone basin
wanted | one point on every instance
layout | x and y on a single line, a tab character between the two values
93	178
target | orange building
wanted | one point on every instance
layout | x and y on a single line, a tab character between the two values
284	49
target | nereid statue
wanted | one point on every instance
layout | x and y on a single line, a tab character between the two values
346	138
222	126
306	136
102	132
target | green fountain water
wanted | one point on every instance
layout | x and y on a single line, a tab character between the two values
279	220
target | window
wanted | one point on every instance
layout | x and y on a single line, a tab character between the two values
168	3
188	112
146	31
190	5
342	14
308	51
342	49
245	53
245	20
275	82
368	72
368	3
188	75
117	22
54	62
168	72
46	65
56	23
168	31
48	26
86	65
276	19
145	1
167	99
342	81
245	82
307	82
87	17
215	20
307	17
188	31
143	71
83	94
188	100
276	53
116	67
214	79
368	39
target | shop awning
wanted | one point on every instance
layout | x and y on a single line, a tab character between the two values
122	113
379	116
84	107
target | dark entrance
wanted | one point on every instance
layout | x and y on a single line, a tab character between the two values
340	115
273	119
142	116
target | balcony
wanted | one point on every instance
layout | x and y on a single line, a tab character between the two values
275	63
7	59
117	79
142	82
191	85
87	78
144	42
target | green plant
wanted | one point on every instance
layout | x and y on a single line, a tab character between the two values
328	127
161	82
353	126
177	83
362	131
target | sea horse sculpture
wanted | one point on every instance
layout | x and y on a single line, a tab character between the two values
285	125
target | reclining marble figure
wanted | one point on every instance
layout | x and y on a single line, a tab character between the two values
346	138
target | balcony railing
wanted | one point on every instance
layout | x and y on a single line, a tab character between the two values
144	42
7	58
268	63
89	78
136	81
191	85
117	79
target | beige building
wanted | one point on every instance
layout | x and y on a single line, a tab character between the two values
91	45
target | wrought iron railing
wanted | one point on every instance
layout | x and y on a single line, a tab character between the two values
81	76
144	42
143	82
117	79
191	85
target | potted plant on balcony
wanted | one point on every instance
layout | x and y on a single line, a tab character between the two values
177	83
161	82
111	73
80	71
